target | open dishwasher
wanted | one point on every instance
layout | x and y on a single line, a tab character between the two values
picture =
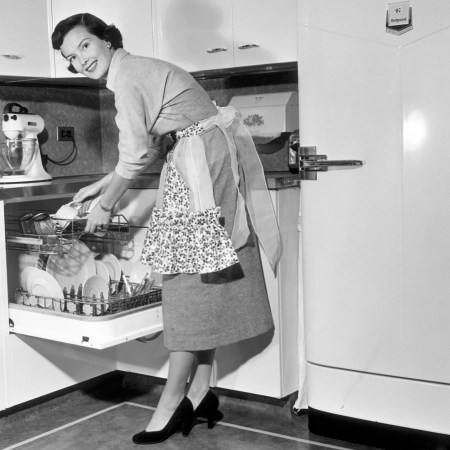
74	312
49	343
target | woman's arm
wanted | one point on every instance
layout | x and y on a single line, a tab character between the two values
101	212
94	189
112	187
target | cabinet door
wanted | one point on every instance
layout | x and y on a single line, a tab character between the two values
194	34
24	45
265	32
132	17
239	366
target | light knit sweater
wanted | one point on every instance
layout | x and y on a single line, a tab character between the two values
152	98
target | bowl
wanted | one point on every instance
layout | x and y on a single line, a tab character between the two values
16	156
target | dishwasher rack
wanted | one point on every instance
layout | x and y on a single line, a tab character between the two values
61	241
122	296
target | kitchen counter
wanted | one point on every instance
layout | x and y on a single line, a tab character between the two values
63	186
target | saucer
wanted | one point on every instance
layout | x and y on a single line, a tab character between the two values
41	284
102	270
25	276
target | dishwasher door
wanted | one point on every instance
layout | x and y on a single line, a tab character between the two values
98	333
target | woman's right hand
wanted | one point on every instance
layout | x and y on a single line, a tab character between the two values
93	190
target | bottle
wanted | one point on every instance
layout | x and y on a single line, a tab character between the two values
293	156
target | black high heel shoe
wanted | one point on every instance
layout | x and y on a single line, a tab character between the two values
184	415
208	409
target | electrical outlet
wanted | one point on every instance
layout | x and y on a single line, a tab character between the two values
65	133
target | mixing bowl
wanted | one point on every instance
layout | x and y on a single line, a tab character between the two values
16	156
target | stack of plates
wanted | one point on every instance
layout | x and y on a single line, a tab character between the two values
77	267
111	263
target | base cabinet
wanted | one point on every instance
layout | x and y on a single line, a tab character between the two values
44	351
268	364
265	365
36	365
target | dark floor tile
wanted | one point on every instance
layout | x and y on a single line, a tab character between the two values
270	415
113	429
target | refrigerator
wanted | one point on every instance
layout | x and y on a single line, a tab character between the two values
374	86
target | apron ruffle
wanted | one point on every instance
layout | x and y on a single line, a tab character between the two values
188	242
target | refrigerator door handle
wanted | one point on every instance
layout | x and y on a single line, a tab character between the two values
310	163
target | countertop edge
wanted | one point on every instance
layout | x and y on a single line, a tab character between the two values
64	186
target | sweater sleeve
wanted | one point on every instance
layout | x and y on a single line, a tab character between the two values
136	145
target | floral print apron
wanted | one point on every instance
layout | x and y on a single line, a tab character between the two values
184	234
183	241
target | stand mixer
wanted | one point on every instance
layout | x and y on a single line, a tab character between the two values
20	156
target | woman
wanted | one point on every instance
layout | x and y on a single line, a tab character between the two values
199	236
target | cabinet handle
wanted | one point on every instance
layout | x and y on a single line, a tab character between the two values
216	50
247	46
11	56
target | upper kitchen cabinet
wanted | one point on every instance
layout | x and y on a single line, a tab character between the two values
24	42
194	34
213	34
265	31
132	17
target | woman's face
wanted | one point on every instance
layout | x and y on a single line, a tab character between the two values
88	54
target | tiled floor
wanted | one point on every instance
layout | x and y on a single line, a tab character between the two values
107	418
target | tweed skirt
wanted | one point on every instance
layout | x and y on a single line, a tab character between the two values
204	311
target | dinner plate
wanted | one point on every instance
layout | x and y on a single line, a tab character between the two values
25	276
74	267
102	270
112	264
41	284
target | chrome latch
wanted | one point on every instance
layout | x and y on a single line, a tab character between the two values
310	163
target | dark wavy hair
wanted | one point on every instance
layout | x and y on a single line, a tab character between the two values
92	24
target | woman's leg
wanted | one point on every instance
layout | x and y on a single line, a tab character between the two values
180	365
200	376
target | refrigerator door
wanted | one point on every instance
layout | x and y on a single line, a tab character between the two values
375	241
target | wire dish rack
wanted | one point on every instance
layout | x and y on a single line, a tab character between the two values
122	296
55	240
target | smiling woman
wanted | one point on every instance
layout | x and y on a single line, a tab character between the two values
199	236
84	41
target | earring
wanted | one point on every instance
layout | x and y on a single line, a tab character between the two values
108	45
